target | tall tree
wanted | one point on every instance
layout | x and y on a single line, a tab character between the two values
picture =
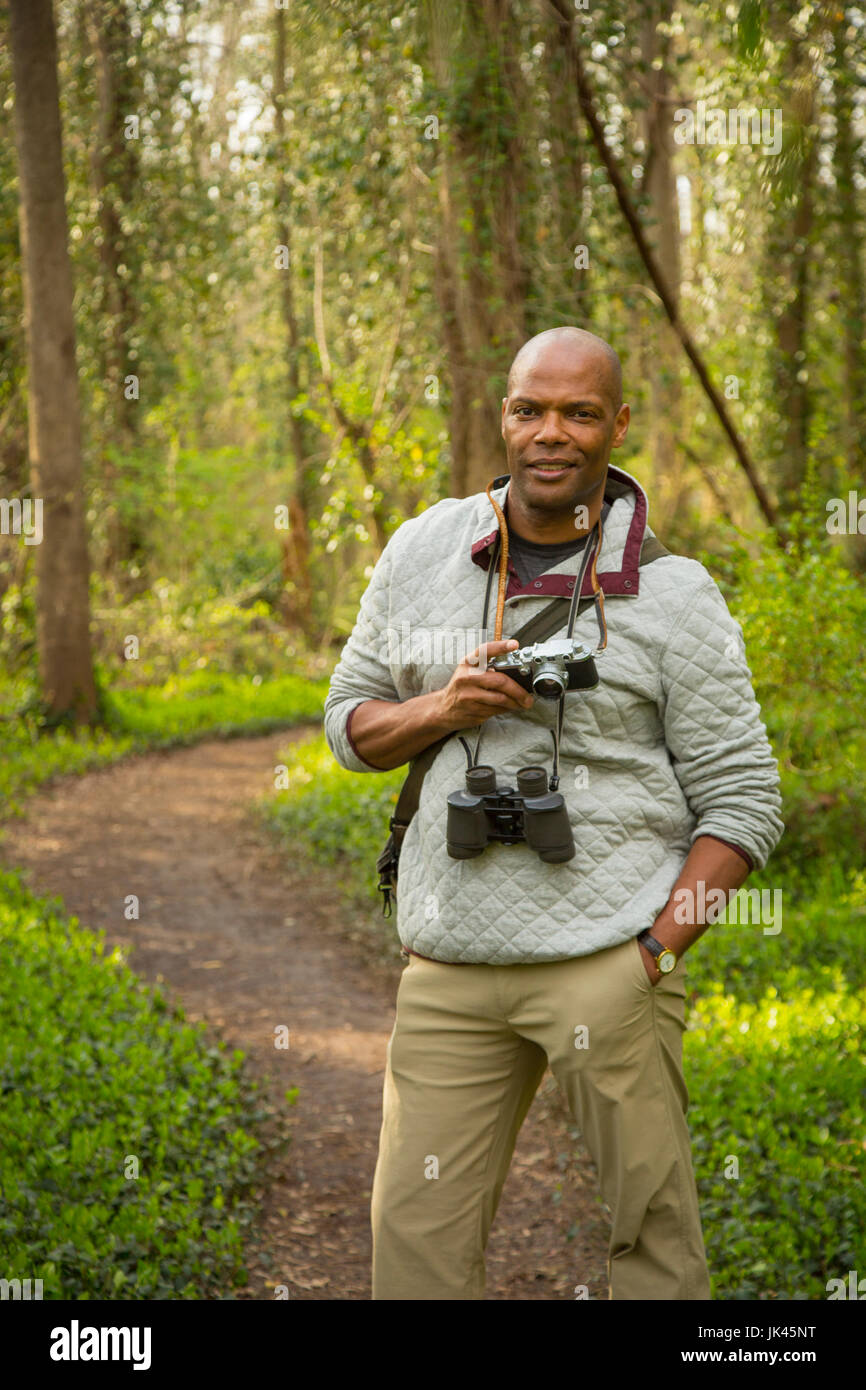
62	565
789	248
569	189
629	211
659	187
482	280
298	594
115	174
850	244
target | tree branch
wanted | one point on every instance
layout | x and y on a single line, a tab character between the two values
629	212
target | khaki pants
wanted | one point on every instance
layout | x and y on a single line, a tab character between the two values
469	1047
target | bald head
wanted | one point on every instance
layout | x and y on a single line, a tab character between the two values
563	414
568	344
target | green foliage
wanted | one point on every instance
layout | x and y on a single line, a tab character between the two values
818	923
96	1072
804	622
214	703
339	818
778	1086
183	709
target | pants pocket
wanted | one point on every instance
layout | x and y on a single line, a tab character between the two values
643	978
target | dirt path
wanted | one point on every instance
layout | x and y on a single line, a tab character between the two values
248	942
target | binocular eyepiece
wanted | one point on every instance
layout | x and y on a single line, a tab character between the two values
484	812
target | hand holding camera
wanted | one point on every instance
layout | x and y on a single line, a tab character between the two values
475	693
550	668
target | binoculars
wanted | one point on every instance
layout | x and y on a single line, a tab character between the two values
531	814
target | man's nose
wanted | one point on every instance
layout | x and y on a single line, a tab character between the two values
550	428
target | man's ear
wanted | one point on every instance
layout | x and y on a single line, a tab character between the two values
620	428
502	420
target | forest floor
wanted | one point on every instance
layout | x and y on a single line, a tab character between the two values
248	941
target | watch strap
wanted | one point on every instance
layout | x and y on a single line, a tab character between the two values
655	947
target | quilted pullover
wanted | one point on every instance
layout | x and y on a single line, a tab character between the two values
668	746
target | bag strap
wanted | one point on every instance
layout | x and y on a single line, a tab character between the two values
542	626
652	549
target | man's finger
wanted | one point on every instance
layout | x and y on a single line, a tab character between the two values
483	653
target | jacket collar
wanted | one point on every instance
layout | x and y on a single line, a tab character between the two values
621	541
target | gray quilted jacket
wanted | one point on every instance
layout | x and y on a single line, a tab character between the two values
668	746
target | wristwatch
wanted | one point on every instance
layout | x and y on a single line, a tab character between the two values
664	956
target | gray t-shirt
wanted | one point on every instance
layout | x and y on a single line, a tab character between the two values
532	558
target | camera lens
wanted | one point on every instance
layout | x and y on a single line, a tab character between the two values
549	682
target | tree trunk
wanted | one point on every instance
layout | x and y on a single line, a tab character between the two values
298	591
567	181
850	251
789	250
115	174
791	257
660	188
62	566
474	425
482	277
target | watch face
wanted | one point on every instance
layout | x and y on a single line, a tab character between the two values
666	962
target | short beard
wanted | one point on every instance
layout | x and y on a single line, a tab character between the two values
544	508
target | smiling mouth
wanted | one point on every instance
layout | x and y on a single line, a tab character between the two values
550	466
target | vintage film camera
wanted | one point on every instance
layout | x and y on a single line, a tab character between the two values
549	669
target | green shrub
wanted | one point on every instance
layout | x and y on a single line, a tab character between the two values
821	925
129	1144
804	621
341	818
777	1086
183	709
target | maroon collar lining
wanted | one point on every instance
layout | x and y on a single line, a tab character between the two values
624	581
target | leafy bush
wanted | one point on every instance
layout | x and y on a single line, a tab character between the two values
181	630
821	925
184	708
128	1140
339	817
804	621
778	1135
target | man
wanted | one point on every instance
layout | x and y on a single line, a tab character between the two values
515	963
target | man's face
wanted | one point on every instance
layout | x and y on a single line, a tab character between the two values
559	424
